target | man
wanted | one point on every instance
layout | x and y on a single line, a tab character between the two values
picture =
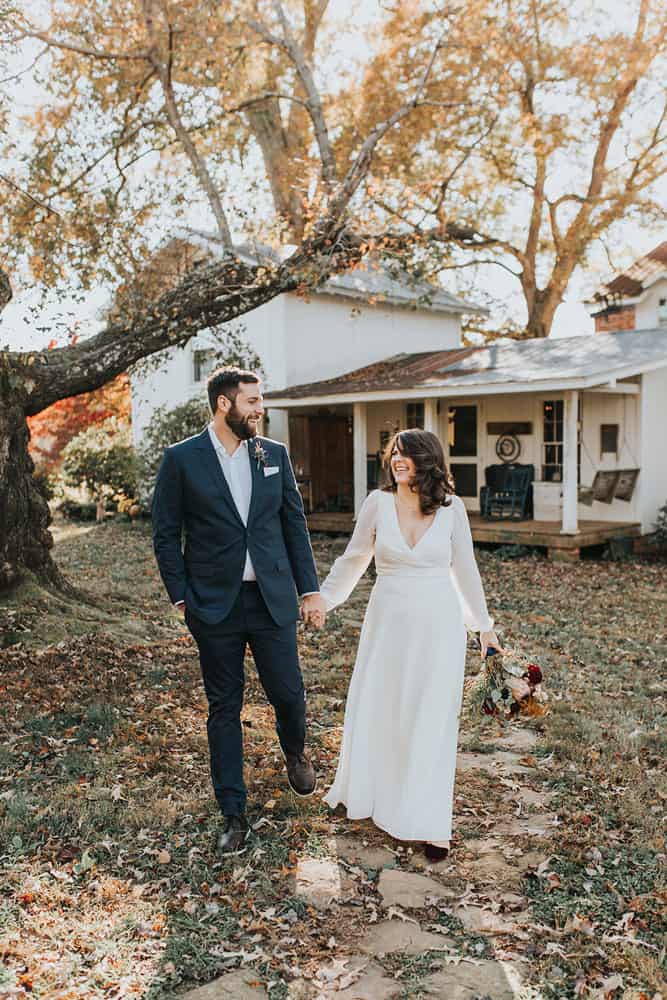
233	497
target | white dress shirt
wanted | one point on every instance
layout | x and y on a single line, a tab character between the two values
237	472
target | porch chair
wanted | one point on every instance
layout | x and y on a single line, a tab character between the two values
508	493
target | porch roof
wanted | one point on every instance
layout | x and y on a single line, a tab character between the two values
502	366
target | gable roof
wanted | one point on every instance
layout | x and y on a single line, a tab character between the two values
369	284
516	366
636	279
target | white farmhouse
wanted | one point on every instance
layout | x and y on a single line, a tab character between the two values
557	442
352	320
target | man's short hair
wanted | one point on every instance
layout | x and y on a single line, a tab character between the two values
226	381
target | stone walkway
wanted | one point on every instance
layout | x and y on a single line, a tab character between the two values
456	930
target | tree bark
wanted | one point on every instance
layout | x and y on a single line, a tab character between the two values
25	540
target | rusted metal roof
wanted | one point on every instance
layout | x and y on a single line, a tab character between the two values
632	282
511	363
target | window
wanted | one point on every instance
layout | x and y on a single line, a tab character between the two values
414	415
203	362
552	441
608	439
552	453
662	312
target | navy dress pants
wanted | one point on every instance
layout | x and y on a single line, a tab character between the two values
222	650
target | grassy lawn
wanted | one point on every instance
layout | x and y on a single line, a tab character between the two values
109	886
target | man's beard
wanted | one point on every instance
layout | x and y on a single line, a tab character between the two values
238	424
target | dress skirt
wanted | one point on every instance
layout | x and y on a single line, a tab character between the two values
398	755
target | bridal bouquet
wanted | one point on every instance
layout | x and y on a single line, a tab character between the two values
509	686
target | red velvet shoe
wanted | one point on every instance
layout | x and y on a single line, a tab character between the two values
434	853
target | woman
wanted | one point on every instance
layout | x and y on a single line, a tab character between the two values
398	754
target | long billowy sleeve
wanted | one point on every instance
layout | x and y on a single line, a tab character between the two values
348	569
466	574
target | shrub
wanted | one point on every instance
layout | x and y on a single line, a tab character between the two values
45	482
75	511
167	427
659	536
102	461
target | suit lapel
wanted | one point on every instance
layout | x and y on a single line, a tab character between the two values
212	463
257	473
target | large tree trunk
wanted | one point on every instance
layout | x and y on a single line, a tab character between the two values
25	540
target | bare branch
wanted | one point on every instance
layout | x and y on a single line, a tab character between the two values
313	100
467	153
163	73
260	98
82	50
360	167
30	197
26	69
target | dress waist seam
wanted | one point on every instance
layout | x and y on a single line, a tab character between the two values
417	575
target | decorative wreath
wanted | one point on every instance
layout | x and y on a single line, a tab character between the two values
508	447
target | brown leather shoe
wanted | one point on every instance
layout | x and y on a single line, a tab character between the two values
232	836
300	774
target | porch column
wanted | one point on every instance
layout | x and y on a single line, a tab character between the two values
431	415
359	448
570	486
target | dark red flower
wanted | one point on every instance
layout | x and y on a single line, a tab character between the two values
488	707
534	673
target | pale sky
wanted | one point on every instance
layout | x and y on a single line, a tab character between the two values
29	323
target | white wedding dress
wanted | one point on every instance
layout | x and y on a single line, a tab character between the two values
398	754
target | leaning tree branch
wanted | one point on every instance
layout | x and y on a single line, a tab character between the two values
205	296
361	165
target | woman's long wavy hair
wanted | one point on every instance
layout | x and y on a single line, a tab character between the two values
433	480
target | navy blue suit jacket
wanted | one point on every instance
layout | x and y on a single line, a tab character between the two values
200	540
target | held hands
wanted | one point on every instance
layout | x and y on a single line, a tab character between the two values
314	610
489	639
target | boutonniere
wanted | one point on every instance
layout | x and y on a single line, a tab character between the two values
260	455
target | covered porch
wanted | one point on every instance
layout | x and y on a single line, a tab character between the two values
575	496
574	441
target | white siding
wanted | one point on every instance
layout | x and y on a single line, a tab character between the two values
646	311
600	408
597	409
302	341
263	330
383	417
329	335
653	477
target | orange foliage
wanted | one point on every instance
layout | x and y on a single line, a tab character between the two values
54	427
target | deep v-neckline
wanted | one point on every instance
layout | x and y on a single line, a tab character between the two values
411	548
